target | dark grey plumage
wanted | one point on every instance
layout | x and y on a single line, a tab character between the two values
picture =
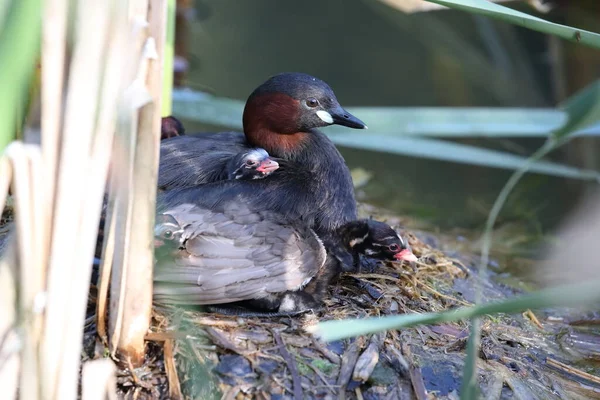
187	161
261	259
235	255
313	185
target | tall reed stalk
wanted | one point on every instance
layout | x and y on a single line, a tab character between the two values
101	99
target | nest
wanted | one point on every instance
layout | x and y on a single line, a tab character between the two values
197	355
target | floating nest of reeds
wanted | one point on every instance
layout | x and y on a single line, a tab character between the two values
552	354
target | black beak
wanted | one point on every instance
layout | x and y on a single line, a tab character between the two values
344	118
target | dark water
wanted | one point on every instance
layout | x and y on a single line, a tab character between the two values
369	53
372	55
375	56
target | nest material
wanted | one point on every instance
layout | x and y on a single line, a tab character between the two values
275	358
196	355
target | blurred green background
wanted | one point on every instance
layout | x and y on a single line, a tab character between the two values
373	54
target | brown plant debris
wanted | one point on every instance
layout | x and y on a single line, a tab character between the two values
215	356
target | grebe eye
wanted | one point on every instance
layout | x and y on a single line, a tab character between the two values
312	102
168	234
394	247
250	163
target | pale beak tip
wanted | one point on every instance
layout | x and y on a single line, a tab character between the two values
406	255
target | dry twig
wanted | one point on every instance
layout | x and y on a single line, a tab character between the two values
291	363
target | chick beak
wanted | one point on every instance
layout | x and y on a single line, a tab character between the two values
158	243
405	255
267	166
344	118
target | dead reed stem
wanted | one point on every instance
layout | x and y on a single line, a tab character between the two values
114	80
54	43
134	192
62	346
98	380
10	361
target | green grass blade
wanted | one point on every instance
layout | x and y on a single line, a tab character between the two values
582	294
469	388
19	48
227	112
450	122
583	110
168	59
205	108
455	152
496	11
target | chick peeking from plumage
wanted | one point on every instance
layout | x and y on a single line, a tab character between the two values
171	127
167	234
377	240
251	164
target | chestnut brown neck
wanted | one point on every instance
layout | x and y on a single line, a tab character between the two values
271	122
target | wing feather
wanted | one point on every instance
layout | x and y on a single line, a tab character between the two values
236	255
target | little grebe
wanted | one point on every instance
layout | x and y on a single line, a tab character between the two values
281	116
258	258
